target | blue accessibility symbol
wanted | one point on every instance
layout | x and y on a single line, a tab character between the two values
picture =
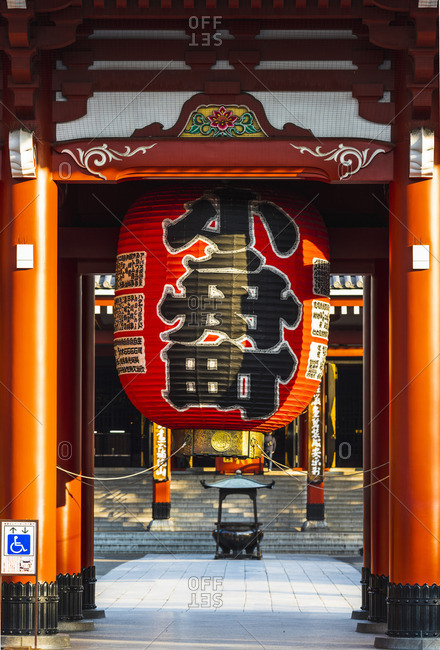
19	544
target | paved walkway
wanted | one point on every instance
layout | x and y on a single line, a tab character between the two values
193	602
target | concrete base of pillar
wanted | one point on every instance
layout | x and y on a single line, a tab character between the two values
371	628
94	613
359	615
12	641
161	524
314	524
76	626
407	644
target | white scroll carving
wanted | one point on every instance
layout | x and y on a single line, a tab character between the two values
22	154
350	158
100	156
421	153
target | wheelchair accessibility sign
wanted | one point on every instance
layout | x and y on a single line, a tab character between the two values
18	547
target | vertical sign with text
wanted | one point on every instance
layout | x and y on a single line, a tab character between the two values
315	466
161	451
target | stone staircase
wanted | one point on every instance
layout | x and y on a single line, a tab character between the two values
123	512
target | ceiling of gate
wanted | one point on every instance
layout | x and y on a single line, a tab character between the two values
328	82
124	68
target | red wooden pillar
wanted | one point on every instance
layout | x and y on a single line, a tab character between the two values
315	504
414	609
28	375
366	568
379	434
69	442
161	499
87	441
162	473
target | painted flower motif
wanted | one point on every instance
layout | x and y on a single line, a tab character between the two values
222	119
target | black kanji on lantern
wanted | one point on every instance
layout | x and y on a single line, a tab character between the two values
233	303
227	376
225	219
231	295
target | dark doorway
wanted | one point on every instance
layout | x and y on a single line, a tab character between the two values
117	421
349	415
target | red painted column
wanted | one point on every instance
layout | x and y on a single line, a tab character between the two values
379	434
28	376
69	442
366	451
315	502
88	441
414	395
161	499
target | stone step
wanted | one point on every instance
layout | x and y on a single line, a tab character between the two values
184	541
208	514
187	500
285	523
123	510
191	514
201	514
209	507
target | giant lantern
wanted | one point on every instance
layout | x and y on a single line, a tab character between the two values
221	310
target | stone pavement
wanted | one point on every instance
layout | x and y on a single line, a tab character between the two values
166	602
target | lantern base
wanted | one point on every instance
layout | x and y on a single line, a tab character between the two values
216	442
238	540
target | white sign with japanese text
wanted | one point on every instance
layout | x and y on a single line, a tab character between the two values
19	547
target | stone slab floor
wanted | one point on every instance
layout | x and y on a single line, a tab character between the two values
165	602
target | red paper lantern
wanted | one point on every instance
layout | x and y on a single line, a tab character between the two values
222	306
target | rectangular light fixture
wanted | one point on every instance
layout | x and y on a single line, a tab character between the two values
25	256
420	257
